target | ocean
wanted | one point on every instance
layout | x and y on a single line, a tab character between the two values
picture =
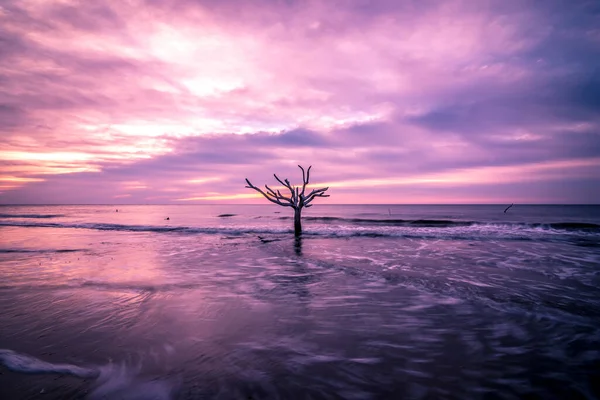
372	302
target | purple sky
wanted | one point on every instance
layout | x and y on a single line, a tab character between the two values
391	101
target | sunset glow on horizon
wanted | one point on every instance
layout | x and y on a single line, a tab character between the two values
391	101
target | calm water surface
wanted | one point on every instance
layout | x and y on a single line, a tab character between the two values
374	302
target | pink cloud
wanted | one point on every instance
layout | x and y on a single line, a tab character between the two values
392	90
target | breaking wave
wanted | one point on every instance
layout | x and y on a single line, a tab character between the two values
427	223
585	234
143	228
387	222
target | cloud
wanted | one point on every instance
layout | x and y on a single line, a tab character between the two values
166	93
212	168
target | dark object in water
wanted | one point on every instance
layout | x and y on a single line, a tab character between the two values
166	219
508	208
226	215
117	210
267	240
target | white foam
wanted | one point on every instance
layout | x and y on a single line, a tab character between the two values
23	363
112	381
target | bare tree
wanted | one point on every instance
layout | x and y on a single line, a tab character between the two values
297	198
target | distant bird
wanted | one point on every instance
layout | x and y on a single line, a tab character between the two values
508	208
116	210
166	219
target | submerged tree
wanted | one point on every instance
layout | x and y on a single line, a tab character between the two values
297	198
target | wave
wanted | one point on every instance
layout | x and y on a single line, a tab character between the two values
571	225
111	381
105	286
145	228
34	216
26	364
431	223
39	251
417	229
387	222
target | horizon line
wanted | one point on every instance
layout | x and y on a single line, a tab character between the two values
266	204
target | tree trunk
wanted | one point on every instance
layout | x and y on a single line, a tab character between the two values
297	222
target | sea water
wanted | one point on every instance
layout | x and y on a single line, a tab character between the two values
373	302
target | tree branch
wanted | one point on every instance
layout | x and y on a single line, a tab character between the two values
305	179
297	198
315	193
303	173
286	184
273	199
270	191
277	194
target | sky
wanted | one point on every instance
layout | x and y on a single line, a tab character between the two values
390	101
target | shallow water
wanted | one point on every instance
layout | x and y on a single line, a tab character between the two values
451	302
